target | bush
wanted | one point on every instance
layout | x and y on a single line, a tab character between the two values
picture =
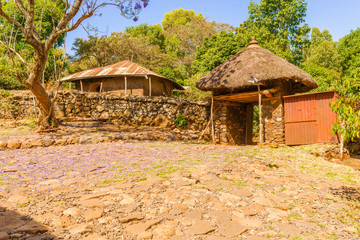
180	121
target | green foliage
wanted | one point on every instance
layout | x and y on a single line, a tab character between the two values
153	34
328	79
256	127
215	50
277	25
5	94
348	110
180	121
317	37
177	73
349	51
47	13
323	61
348	105
193	93
9	82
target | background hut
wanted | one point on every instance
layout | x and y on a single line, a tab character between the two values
234	94
125	77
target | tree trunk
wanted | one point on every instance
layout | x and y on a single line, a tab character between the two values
47	117
342	142
342	147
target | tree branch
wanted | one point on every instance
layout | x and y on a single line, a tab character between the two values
17	54
2	13
19	4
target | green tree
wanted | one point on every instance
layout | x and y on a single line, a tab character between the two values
349	51
153	34
185	31
278	26
323	60
215	50
348	104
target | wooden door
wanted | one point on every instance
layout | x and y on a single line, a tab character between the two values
300	120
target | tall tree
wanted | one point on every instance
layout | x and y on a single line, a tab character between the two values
348	105
323	60
279	26
185	30
70	17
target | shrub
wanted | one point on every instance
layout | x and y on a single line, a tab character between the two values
180	121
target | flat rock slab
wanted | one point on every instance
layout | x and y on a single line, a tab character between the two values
92	214
31	228
74	212
217	238
290	229
92	203
195	214
220	216
79	228
231	229
132	217
138	228
201	227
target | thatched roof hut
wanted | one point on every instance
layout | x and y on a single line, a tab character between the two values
235	74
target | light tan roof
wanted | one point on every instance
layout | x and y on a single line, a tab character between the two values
236	73
123	68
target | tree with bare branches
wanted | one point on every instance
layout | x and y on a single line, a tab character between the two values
26	19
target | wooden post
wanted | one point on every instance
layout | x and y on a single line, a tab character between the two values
81	86
101	86
261	128
212	119
125	85
149	86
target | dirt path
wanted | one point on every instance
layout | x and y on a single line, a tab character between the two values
158	190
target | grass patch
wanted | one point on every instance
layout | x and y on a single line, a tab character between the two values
294	216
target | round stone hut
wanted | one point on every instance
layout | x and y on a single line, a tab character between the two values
236	85
125	77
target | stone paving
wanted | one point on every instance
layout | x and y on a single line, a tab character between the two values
158	190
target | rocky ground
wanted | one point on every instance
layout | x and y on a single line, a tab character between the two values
158	190
22	136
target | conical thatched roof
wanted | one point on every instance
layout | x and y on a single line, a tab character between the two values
236	73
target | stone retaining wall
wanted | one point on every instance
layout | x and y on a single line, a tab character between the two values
17	105
354	146
132	110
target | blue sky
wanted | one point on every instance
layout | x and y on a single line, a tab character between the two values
339	17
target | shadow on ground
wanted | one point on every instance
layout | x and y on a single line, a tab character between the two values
15	226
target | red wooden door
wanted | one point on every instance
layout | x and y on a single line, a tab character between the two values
309	118
325	118
300	120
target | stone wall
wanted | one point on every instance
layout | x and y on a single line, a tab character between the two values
132	110
230	124
274	122
354	146
17	105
